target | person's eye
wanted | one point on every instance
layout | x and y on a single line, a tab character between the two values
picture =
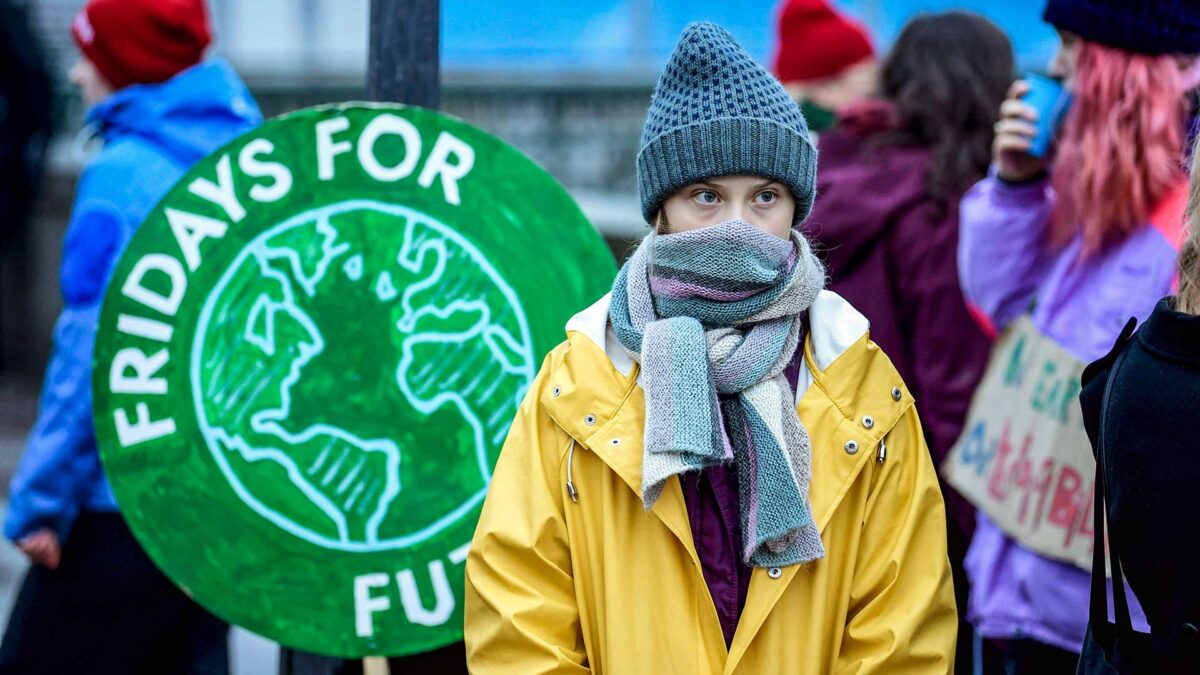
707	197
766	197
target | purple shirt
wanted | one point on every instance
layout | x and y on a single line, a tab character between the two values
711	497
1007	271
713	507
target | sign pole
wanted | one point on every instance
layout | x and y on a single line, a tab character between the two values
403	66
403	60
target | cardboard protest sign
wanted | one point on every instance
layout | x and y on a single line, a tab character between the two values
309	357
1024	458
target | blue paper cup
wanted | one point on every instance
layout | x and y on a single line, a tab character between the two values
1051	100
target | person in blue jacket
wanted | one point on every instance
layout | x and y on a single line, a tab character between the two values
93	602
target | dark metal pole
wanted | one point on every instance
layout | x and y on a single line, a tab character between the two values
292	662
403	62
403	66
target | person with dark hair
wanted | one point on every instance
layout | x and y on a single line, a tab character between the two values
26	118
886	222
26	123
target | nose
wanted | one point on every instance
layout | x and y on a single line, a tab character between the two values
737	211
1057	68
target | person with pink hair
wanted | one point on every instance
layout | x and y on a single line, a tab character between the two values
1080	241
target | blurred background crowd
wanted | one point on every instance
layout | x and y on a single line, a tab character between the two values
566	83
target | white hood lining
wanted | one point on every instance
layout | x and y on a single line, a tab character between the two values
834	326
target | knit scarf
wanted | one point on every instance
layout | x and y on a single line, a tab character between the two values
714	316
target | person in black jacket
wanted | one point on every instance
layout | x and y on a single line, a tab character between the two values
1141	408
26	123
26	118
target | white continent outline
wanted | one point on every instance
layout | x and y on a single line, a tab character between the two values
268	421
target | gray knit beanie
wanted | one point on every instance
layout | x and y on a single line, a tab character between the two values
717	112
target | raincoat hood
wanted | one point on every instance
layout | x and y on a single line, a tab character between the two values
188	116
152	134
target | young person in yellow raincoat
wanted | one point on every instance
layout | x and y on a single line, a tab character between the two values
717	471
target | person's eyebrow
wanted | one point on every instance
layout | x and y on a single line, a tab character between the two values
768	182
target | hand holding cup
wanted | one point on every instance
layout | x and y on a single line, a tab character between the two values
1015	134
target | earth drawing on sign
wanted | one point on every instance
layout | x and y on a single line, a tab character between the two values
277	335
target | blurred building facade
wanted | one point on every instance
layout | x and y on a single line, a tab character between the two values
568	83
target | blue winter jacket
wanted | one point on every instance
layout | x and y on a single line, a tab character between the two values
152	134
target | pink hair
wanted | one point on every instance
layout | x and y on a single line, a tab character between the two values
1121	148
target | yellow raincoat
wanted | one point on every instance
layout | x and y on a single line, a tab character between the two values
598	584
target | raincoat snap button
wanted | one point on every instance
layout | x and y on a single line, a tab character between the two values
896	393
868	421
774	572
851	447
556	392
589	420
615	441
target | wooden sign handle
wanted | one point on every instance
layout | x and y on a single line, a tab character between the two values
376	665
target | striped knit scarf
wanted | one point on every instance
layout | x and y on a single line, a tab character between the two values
714	316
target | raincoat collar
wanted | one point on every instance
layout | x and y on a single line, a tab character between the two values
594	397
186	117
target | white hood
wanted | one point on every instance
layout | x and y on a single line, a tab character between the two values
834	325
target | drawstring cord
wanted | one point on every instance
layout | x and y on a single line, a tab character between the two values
571	491
85	143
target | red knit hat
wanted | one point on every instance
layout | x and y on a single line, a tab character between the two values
141	41
816	42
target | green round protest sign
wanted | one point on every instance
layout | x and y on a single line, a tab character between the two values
309	357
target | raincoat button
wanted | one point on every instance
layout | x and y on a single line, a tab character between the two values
851	447
615	441
589	420
774	572
896	393
556	392
868	421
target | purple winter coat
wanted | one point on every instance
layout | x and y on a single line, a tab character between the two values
890	247
1082	304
